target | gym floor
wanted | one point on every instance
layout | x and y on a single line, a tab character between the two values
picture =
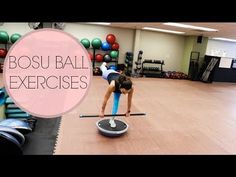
42	140
183	117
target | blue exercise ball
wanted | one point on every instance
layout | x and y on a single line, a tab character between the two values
2	97
105	46
113	67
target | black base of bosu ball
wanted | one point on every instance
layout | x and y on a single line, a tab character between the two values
106	130
15	133
9	145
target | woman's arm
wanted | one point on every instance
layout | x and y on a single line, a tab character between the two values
109	91
130	95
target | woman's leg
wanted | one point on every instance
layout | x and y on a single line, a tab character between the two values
115	109
116	103
105	71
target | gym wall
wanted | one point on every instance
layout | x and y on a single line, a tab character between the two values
162	46
155	45
11	28
228	47
124	36
188	48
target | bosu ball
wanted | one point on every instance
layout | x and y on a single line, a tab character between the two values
105	128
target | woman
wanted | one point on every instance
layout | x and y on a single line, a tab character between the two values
118	84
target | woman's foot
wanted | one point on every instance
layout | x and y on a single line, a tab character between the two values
112	123
104	63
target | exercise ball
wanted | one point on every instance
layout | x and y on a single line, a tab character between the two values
15	133
113	67
96	43
3	53
105	46
114	54
107	58
90	56
98	57
2	97
14	37
111	38
4	37
20	125
115	46
85	42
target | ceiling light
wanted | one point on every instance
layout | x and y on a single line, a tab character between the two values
99	23
190	26
163	30
224	39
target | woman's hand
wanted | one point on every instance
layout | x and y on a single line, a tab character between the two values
127	114
101	115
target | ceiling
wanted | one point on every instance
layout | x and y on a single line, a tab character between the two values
225	30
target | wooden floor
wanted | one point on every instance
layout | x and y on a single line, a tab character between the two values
183	117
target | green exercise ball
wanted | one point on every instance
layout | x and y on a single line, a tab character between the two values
4	37
14	37
96	43
85	42
114	54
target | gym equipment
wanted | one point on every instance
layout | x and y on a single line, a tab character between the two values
90	56
111	38
12	111
112	115
106	130
115	46
156	61
193	66
4	90
4	37
3	53
14	37
11	106
174	75
107	58
129	63
96	43
9	145
114	54
138	68
2	97
85	42
99	57
9	101
22	126
113	67
18	115
207	72
59	25
2	103
35	25
233	64
208	68
19	136
151	71
105	46
105	126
